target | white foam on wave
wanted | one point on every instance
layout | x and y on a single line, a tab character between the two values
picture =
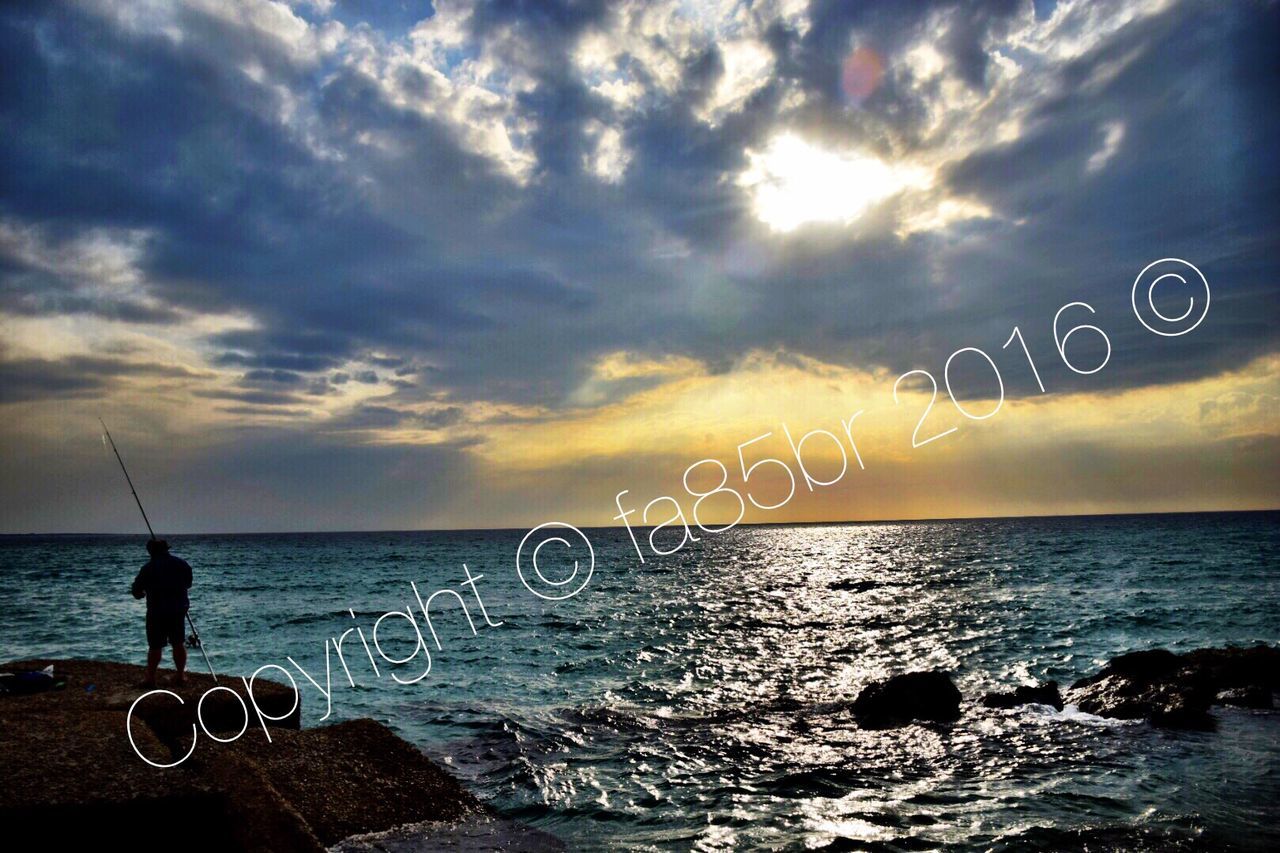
1073	714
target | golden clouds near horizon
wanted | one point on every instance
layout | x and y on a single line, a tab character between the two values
638	423
1058	452
694	407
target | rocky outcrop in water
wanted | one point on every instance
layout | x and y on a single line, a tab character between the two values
1044	694
1176	691
912	696
1258	698
73	780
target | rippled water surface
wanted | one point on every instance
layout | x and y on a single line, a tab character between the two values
699	700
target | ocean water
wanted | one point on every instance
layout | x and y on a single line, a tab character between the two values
699	701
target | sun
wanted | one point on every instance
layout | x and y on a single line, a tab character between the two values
793	182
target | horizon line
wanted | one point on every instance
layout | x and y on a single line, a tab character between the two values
839	523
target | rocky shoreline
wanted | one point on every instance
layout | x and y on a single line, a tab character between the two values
1168	690
1177	691
73	778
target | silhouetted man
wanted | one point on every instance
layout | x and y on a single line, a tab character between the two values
164	582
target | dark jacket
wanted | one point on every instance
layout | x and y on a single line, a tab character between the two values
164	581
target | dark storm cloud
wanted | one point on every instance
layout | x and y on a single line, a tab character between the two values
272	377
245	218
887	27
34	380
27	379
420	249
256	397
28	292
1192	177
367	238
273	361
374	417
1187	180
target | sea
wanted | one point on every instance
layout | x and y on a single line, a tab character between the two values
700	700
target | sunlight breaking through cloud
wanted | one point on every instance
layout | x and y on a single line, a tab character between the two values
794	182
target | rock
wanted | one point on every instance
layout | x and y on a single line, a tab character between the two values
72	778
481	833
100	685
1258	666
1139	666
1045	694
1254	696
71	774
1164	703
929	696
1172	707
850	585
1176	691
1112	696
357	777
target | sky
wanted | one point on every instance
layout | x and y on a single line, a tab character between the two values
351	265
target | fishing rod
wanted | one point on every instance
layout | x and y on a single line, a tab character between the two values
106	434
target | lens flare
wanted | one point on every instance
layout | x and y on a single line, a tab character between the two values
861	75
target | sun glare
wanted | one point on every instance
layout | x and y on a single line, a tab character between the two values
793	182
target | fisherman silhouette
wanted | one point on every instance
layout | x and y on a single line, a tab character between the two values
164	582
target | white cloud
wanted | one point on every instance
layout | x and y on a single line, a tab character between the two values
748	65
437	72
1078	26
1113	135
269	20
99	261
610	158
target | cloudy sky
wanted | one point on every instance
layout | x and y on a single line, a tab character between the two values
351	265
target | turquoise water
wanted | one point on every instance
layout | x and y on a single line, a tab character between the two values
698	700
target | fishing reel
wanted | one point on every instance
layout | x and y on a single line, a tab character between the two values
193	642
